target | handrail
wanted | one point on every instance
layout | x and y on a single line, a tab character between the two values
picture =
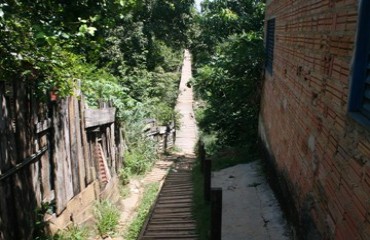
21	165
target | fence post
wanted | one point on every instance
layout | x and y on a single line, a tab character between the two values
202	155
207	179
216	213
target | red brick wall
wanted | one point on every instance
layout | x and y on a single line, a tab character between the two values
322	152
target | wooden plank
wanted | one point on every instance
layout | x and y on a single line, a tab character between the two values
68	176
73	148
109	151
113	150
43	125
4	157
60	158
104	147
46	169
27	161
7	156
36	176
23	186
80	151
85	145
97	117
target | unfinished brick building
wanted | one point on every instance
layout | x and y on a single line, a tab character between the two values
315	116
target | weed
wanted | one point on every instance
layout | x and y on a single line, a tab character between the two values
175	149
72	233
107	216
150	194
124	176
40	232
124	191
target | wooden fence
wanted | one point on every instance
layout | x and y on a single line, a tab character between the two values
165	136
50	153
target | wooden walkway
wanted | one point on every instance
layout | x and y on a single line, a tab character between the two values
171	216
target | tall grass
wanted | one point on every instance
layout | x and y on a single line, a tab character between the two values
150	194
72	233
107	216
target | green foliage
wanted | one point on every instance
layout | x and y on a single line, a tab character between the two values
72	233
141	153
229	58
40	232
127	52
150	194
107	216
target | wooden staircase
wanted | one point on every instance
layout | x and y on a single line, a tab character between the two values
171	217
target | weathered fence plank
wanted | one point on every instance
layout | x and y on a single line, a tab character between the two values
46	154
7	157
47	184
79	147
72	148
97	117
23	185
68	174
63	176
84	144
43	125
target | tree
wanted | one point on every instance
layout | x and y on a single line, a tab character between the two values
229	59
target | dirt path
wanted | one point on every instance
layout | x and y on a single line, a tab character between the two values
136	187
186	136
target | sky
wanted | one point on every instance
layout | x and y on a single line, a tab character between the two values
197	4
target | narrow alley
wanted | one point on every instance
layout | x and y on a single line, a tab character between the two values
250	209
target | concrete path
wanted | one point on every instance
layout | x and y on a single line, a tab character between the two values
186	136
250	209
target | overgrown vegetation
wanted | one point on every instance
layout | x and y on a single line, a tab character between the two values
201	210
107	216
128	53
228	53
149	196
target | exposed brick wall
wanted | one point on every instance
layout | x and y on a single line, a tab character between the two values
321	152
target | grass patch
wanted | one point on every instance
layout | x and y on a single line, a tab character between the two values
201	210
124	191
107	216
150	195
72	233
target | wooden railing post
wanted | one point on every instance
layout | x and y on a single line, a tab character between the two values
202	155
207	179
216	213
